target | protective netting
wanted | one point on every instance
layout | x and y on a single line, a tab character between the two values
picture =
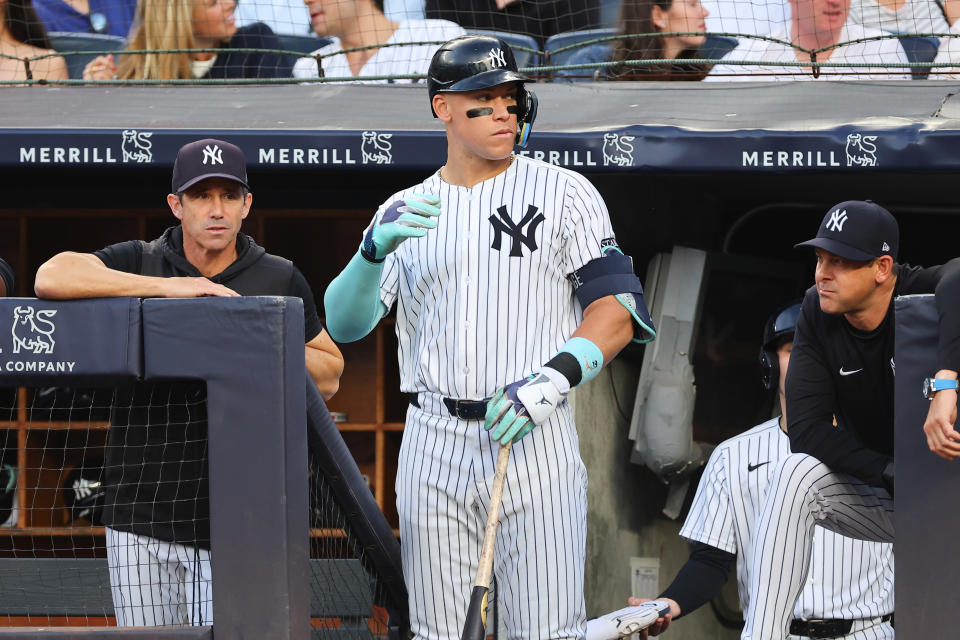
104	516
292	41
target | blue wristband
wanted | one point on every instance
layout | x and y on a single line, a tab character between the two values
578	361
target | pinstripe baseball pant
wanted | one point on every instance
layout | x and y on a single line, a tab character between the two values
156	583
444	479
805	493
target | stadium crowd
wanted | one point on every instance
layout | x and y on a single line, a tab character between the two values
393	40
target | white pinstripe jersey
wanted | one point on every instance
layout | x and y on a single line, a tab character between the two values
848	578
484	298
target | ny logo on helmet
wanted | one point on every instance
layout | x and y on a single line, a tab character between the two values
497	57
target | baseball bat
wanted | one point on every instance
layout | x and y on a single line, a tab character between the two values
475	626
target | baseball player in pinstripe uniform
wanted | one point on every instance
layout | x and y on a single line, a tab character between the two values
511	297
848	591
840	404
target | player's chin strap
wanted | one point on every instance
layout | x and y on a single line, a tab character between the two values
526	118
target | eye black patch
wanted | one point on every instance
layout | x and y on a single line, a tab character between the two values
479	112
513	108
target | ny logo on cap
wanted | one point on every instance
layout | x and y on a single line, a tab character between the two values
837	218
497	58
213	153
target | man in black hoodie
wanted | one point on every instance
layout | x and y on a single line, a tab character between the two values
157	485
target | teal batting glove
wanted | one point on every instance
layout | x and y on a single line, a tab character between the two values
408	218
514	410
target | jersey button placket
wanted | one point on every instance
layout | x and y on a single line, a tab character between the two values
468	303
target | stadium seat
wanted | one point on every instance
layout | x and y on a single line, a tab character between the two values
717	46
524	58
302	44
920	49
89	43
595	53
553	57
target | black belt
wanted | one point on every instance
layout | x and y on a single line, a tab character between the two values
825	628
463	409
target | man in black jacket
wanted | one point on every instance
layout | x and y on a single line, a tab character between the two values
157	484
840	404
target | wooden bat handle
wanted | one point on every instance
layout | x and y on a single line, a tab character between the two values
485	569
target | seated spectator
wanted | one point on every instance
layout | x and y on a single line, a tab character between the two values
912	16
398	10
282	16
361	23
746	17
815	24
949	50
110	17
22	36
538	18
665	16
193	24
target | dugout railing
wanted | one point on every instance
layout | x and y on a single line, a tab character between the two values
264	489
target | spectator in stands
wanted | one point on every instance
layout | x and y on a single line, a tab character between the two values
949	50
22	36
193	24
6	279
665	16
362	23
821	26
746	18
911	16
538	18
282	16
157	505
110	17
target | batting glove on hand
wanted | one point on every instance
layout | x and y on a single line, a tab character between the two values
409	218
514	410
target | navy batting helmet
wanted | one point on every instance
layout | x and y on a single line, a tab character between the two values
472	62
782	323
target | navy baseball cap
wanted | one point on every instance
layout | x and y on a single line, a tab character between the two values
857	230
208	158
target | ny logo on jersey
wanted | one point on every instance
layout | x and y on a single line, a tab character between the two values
504	224
837	218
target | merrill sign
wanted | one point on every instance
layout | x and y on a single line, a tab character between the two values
33	334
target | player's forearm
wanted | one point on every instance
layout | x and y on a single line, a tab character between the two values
325	364
607	324
699	580
352	301
82	275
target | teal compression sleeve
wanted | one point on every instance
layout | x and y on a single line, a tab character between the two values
352	301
